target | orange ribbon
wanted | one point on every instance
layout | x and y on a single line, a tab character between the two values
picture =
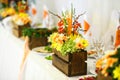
86	26
117	40
45	14
34	11
26	53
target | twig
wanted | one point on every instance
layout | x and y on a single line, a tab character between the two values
55	14
79	16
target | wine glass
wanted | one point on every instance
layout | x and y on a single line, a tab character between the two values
98	46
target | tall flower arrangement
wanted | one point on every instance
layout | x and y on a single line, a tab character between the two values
109	65
68	39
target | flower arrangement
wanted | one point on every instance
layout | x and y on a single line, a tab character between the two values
21	19
22	6
109	65
68	39
7	12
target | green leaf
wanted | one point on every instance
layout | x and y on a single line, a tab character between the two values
48	57
41	32
68	47
28	32
48	48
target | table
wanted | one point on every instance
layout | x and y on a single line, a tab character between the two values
39	68
11	53
36	67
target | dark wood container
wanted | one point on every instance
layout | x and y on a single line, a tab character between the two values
37	42
72	57
102	77
17	29
71	64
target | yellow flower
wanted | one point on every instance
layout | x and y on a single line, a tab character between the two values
21	18
84	43
116	73
8	12
81	43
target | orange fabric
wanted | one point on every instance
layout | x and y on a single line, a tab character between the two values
69	20
86	26
45	14
26	50
34	11
26	53
117	40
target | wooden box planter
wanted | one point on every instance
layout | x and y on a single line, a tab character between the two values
17	29
37	42
38	37
102	77
71	64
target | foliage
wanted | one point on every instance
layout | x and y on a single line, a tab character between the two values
41	32
48	57
48	48
68	47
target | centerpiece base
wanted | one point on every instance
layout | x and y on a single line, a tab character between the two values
37	42
102	77
71	64
17	29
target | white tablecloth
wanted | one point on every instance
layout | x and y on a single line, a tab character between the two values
36	67
11	53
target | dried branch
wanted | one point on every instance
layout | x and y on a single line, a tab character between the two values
79	16
55	14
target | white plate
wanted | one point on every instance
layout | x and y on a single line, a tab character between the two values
92	53
86	76
41	51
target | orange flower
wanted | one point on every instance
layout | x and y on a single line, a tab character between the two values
106	62
69	28
55	39
60	23
79	46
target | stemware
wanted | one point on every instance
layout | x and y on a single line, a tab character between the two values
98	46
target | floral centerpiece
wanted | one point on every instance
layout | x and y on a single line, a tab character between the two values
22	6
69	45
21	19
109	65
7	12
68	39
